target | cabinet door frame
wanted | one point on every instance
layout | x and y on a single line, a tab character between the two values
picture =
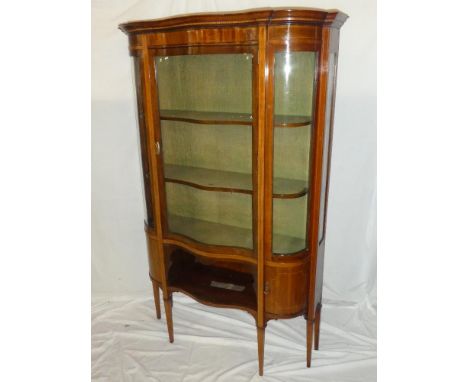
233	253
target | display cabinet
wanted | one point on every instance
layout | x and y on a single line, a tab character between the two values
235	115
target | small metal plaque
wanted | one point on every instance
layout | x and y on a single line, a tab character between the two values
237	288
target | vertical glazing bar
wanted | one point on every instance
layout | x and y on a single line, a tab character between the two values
261	79
268	154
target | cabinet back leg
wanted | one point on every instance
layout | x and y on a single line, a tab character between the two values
157	301
168	309
309	341
317	326
261	348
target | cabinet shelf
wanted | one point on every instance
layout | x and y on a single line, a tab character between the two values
221	118
211	285
292	120
212	233
206	117
206	232
229	181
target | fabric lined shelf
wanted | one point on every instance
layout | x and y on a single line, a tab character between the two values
223	118
229	181
227	235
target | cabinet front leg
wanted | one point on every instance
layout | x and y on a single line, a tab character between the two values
317	326
309	341
261	348
168	309
157	301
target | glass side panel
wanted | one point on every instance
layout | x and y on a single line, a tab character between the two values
326	141
143	144
294	97
206	123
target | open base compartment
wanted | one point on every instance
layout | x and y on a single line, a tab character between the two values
222	284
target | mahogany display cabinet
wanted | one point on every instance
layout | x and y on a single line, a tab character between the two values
235	115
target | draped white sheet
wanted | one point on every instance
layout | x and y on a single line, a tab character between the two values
212	344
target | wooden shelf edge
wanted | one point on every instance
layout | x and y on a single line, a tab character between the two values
205	121
225	118
295	195
239	179
211	251
229	253
206	117
290	125
208	188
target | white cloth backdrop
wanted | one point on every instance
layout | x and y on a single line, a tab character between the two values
119	264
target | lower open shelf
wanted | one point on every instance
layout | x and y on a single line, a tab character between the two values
211	285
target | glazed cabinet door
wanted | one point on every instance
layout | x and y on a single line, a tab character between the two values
206	122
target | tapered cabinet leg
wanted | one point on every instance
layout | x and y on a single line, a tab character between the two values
157	301
261	348
309	341
317	326
168	309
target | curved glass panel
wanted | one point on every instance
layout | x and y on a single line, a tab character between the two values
293	117
205	104
326	142
143	144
